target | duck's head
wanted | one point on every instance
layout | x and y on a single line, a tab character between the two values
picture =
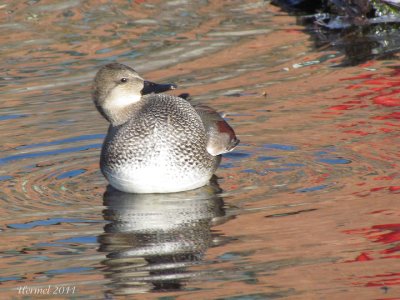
116	87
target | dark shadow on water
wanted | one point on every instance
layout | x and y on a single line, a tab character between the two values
152	240
360	44
361	30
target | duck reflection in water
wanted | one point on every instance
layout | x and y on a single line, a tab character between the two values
152	239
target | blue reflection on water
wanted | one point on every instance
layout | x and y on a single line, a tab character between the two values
328	156
5	177
10	278
68	270
71	174
11	117
80	240
312	189
335	161
48	222
280	147
65	141
7	159
226	165
266	158
237	155
279	170
249	171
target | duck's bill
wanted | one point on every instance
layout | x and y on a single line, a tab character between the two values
152	87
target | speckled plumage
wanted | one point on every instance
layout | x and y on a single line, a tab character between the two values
159	145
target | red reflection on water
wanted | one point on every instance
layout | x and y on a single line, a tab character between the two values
383	279
385	234
394	115
358	132
380	280
381	91
388	235
386	100
341	107
391	237
372	110
363	257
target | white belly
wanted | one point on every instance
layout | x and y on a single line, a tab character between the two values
153	180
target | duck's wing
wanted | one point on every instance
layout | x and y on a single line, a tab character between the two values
221	137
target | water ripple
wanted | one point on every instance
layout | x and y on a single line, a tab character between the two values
312	186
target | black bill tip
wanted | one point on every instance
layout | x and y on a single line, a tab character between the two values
152	87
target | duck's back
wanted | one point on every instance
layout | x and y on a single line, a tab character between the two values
161	148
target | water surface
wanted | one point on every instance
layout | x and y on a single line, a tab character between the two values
305	208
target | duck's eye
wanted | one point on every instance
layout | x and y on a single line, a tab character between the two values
123	80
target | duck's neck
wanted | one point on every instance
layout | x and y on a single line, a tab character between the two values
120	115
119	106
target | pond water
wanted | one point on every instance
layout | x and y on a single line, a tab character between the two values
307	207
